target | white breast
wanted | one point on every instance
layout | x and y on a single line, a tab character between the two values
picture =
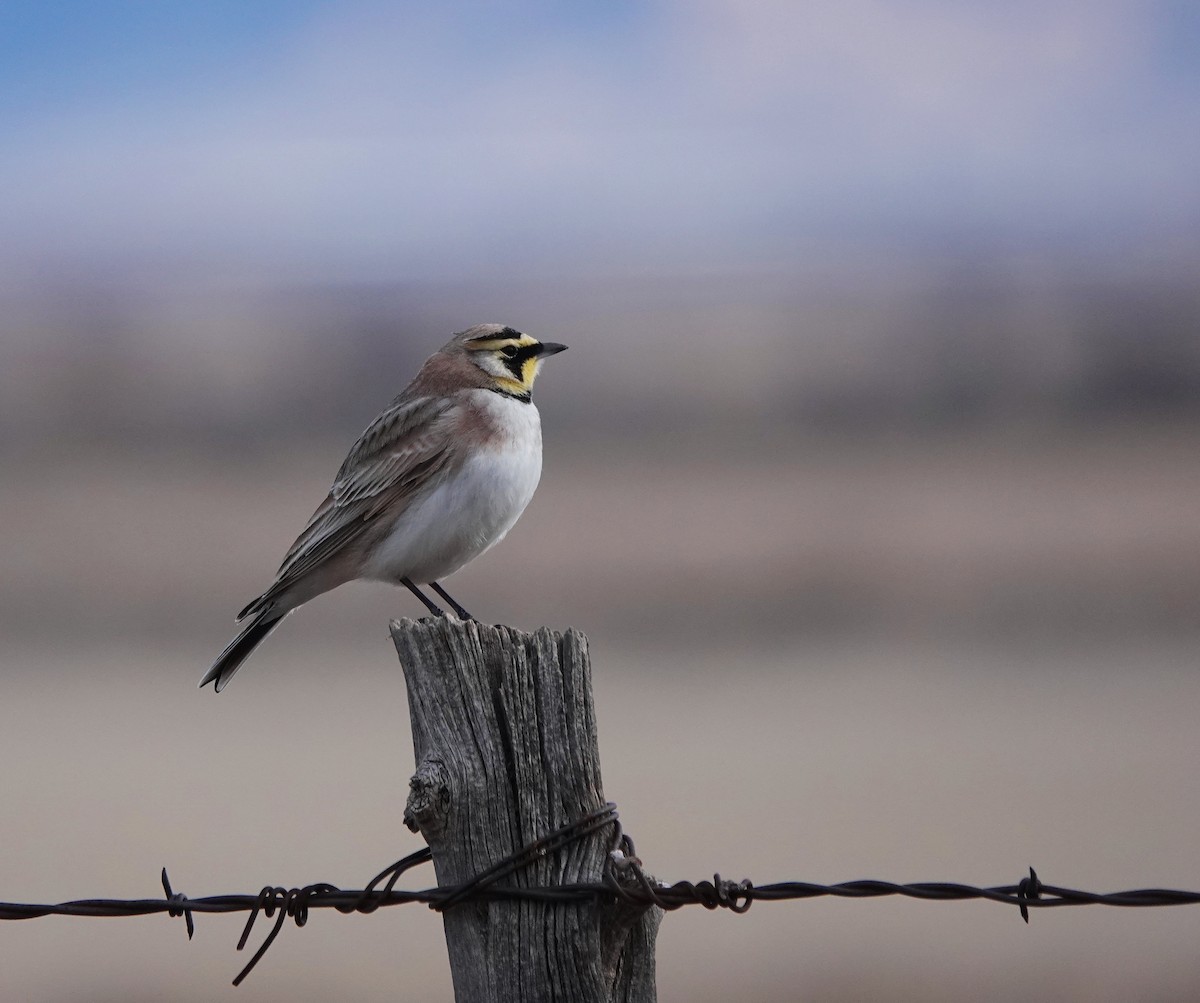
475	508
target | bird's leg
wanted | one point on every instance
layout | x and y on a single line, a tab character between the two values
462	613
429	604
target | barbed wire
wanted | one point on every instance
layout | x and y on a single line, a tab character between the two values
623	877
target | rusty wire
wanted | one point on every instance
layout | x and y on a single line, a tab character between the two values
623	877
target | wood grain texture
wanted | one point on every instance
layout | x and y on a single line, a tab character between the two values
504	733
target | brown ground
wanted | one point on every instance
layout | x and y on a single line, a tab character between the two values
912	661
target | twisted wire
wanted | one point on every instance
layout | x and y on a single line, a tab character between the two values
623	877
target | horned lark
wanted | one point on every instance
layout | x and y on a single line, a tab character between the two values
434	481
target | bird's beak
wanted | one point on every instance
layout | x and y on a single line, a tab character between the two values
549	348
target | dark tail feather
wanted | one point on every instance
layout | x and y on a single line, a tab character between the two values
230	660
257	606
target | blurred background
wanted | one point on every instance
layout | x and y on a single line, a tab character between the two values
872	472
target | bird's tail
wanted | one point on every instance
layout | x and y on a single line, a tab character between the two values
230	660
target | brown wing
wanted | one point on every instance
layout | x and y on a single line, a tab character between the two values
402	453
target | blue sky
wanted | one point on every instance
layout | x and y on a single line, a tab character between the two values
56	57
296	140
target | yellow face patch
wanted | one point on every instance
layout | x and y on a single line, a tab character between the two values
529	371
496	344
516	379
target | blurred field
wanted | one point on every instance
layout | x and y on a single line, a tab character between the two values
942	659
1079	533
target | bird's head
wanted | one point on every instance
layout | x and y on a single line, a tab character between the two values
509	359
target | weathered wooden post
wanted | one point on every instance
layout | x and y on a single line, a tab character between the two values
504	733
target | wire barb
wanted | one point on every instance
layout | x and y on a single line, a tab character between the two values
178	905
1029	889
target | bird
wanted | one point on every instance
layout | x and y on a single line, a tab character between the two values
439	477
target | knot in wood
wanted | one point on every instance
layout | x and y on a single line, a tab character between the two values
428	798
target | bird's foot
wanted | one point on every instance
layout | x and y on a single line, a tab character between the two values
430	605
461	613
